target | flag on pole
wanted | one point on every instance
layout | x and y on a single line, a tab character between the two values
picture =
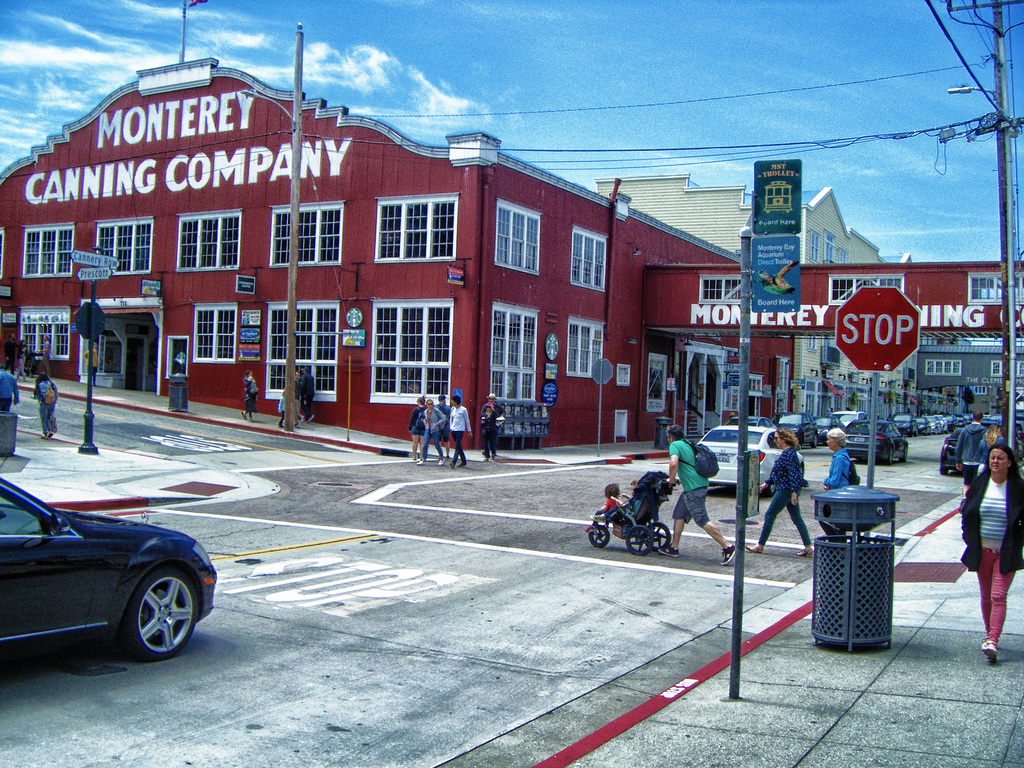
195	2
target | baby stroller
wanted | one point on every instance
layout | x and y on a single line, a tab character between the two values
638	517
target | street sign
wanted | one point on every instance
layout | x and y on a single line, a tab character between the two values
245	284
601	371
90	321
95	273
93	259
778	197
877	329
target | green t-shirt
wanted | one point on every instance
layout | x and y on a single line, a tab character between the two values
687	469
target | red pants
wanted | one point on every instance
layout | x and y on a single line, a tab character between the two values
994	586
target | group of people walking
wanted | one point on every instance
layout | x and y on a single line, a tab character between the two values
441	425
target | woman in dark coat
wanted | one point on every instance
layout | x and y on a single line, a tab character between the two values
993	530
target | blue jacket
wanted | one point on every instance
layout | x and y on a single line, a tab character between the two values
8	386
839	470
788	472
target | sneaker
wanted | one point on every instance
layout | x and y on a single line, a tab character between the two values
309	420
440	462
668	551
728	554
598	518
419	463
990	649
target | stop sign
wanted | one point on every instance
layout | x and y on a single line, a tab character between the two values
877	329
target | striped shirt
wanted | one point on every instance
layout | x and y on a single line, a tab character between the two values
993	512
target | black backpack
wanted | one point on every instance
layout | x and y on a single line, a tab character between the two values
853	477
704	461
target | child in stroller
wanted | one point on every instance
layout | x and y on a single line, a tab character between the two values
634	519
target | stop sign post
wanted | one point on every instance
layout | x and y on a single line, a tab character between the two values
877	330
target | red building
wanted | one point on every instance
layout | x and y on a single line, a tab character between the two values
422	269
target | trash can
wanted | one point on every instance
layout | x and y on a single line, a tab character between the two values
8	433
177	392
853	570
661	425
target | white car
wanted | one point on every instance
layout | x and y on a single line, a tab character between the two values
724	440
849	416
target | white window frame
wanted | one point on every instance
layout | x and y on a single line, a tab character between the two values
172	342
997	368
315	246
657	382
814	249
36	322
434	248
981	390
942	367
60	259
844	256
219	339
2	237
413	366
513	352
133	257
580	361
719	289
587	264
992	291
316	345
517	238
830	248
227	250
842	287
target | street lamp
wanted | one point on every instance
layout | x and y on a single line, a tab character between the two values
293	231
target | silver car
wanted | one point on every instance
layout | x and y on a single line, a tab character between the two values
724	440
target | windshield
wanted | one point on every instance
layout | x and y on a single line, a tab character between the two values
791	419
731	436
860	427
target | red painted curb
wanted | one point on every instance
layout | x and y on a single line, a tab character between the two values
101	505
620	725
932	527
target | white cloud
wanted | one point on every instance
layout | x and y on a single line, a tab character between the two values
363	68
432	100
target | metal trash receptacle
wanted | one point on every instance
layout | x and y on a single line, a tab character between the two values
8	433
661	425
853	571
177	392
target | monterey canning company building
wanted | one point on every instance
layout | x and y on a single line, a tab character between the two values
422	270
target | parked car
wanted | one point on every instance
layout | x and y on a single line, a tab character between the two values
69	577
923	426
890	445
824	424
947	454
800	424
905	424
724	441
753	421
847	416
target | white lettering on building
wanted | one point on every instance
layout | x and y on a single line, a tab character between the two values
813	316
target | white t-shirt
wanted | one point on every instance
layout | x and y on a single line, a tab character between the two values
459	420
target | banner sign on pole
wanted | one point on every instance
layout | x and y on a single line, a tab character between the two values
775	280
778	197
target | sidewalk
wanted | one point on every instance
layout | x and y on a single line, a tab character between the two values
930	700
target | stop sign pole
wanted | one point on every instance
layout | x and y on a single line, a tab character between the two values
877	329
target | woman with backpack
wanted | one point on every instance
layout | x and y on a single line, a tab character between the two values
250	390
787	478
841	472
45	392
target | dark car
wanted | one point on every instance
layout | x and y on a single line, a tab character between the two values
906	424
800	424
69	577
890	445
824	424
947	455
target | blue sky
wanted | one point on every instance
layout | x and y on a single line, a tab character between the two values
544	75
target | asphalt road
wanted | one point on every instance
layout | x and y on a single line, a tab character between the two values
376	613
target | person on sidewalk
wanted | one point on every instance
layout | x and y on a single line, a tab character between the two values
433	420
45	392
969	450
491	417
250	390
992	520
307	389
787	479
459	425
8	391
692	504
446	434
417	428
44	355
10	353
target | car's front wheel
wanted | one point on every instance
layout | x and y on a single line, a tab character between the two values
160	616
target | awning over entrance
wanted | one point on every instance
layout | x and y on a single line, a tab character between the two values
833	389
130	310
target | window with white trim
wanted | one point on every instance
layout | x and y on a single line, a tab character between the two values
38	323
720	290
48	251
1	251
213	337
830	248
411	350
319	235
517	238
416	229
997	368
814	252
988	288
130	242
316	345
942	367
980	390
842	288
584	346
588	259
844	256
513	352
209	241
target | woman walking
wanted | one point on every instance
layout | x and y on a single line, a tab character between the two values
46	393
250	390
459	427
840	471
993	530
787	478
417	428
433	422
491	417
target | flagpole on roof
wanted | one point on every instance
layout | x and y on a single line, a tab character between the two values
184	13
